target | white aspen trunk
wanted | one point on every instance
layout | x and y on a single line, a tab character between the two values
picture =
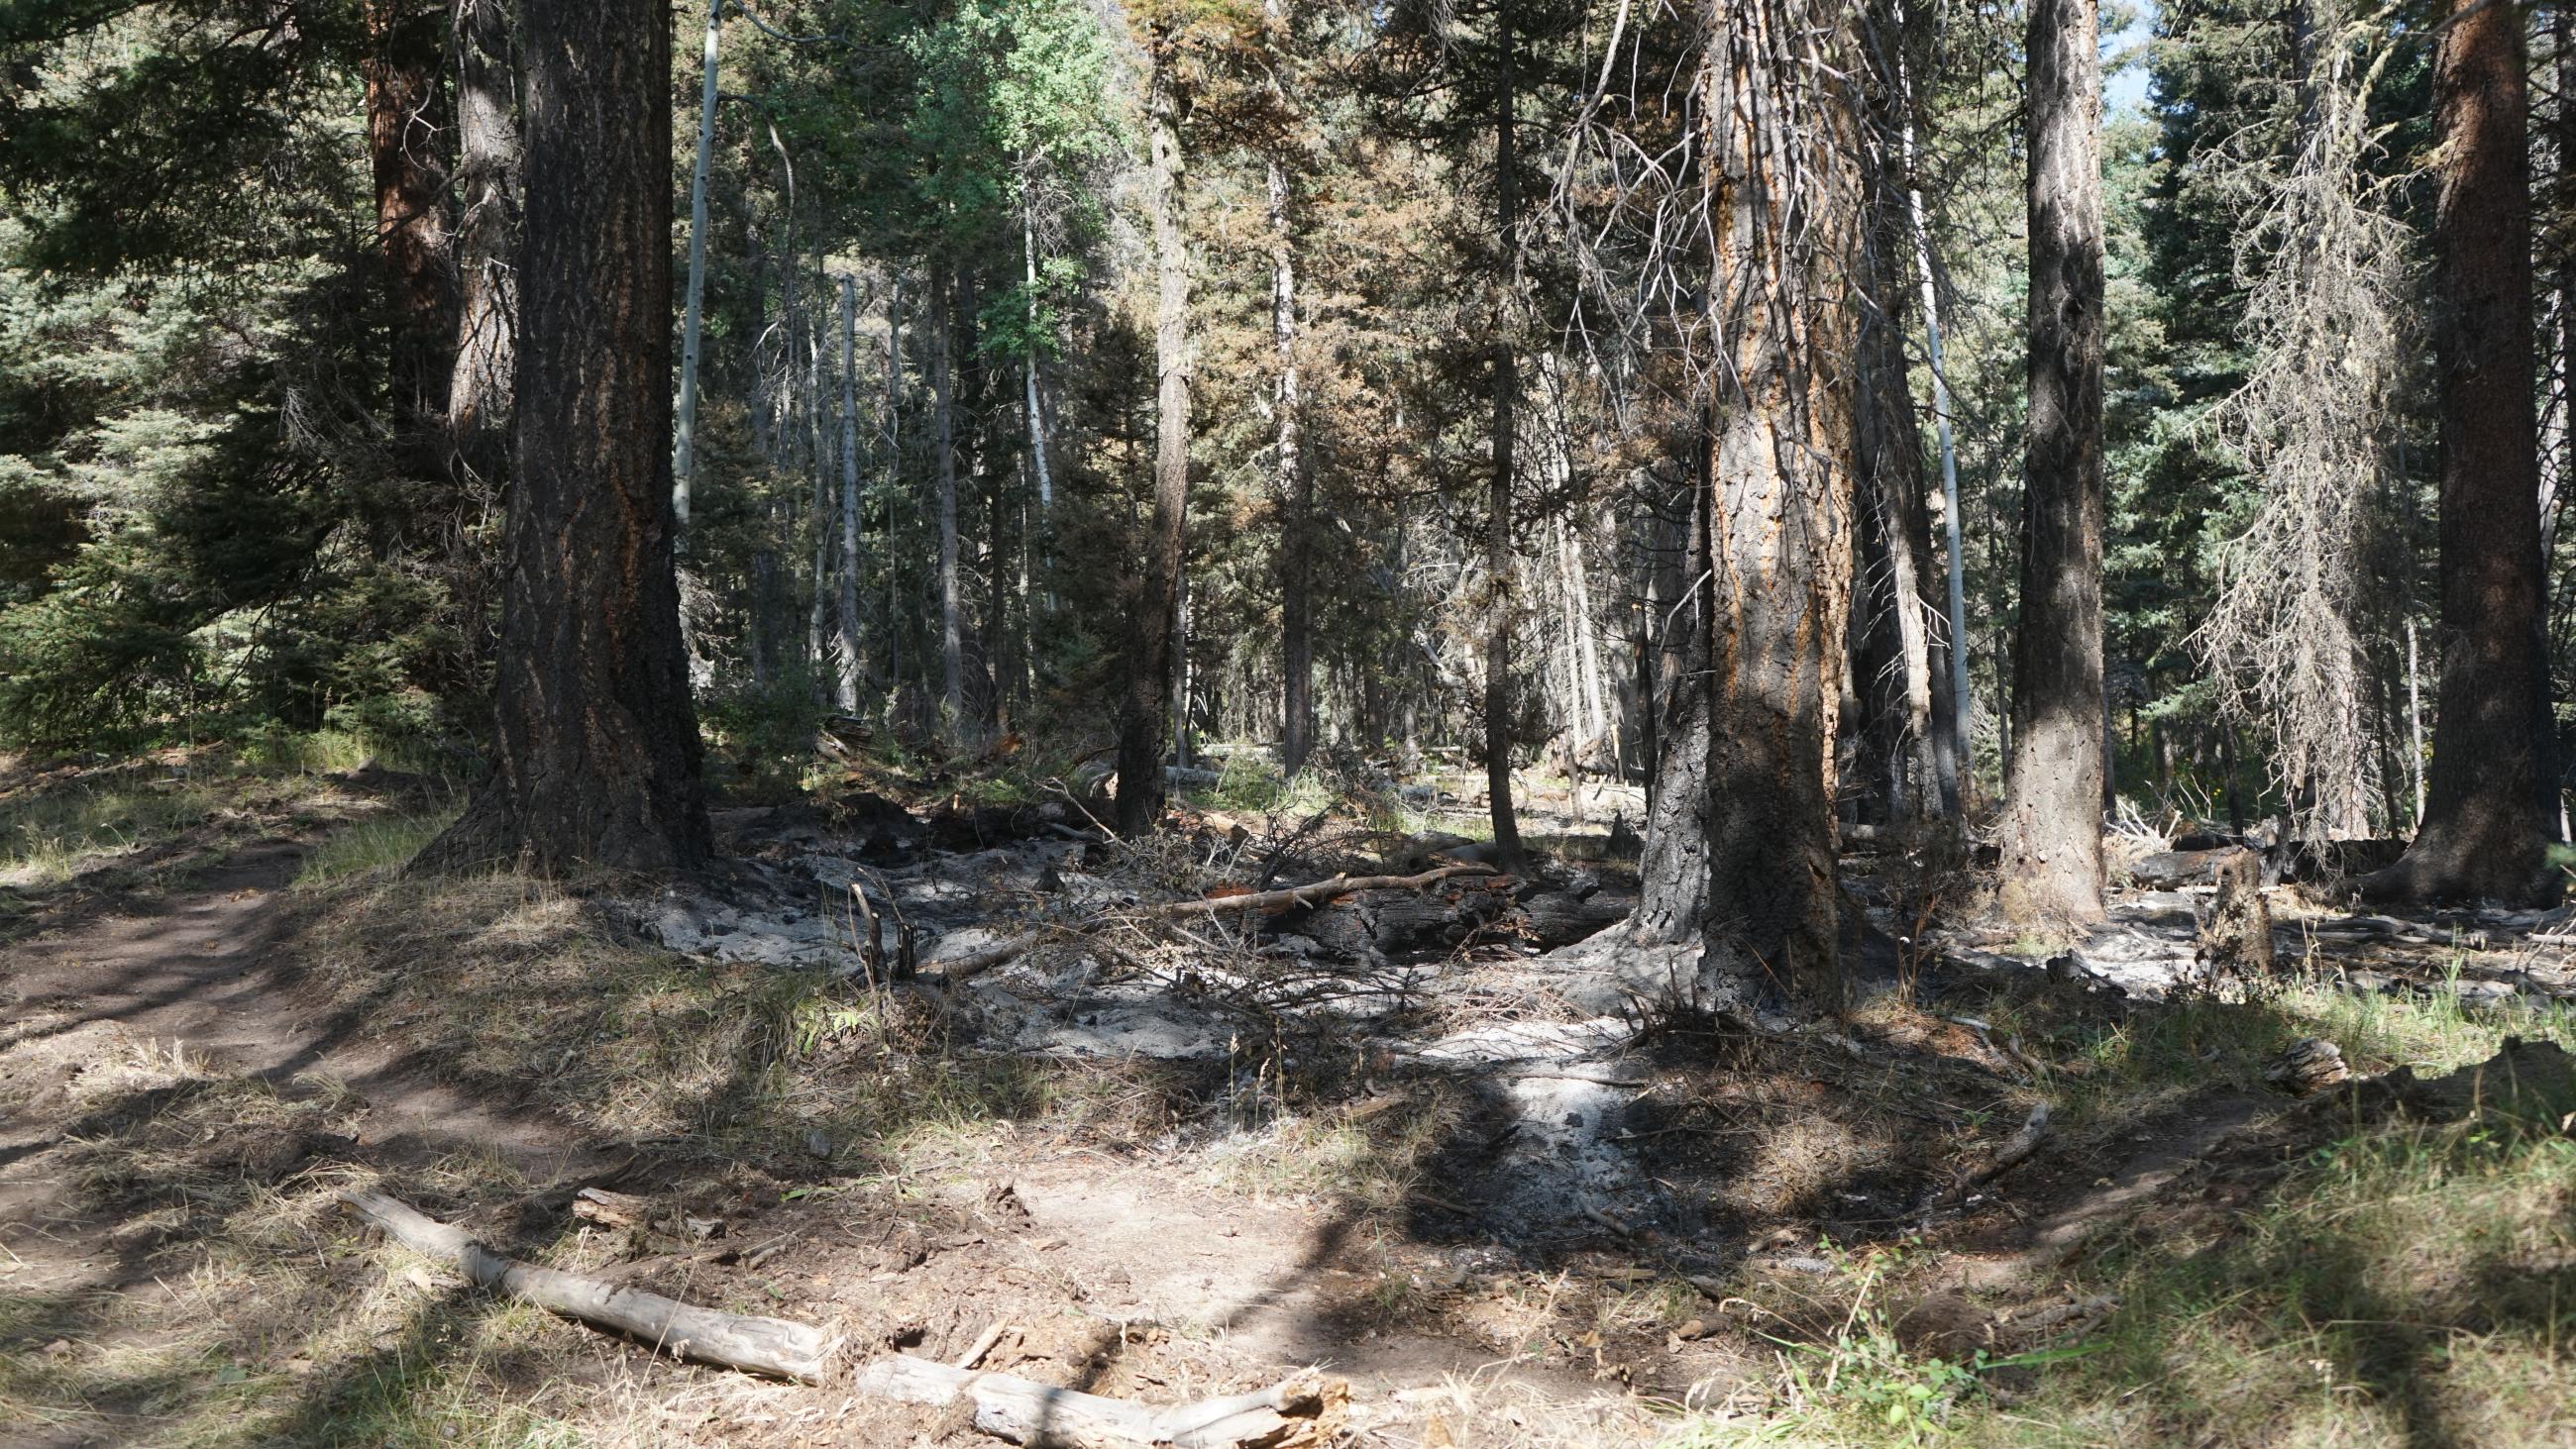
849	593
684	447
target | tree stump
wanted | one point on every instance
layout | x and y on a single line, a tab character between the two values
2238	934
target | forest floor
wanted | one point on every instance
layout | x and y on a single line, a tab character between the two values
1507	1197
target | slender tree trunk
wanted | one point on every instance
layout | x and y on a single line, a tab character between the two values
952	631
596	746
404	43
2052	827
1756	784
1149	668
487	238
1498	499
1296	494
1907	688
684	462
2490	811
1029	368
849	594
818	602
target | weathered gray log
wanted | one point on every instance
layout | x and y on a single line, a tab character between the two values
772	1346
1305	1410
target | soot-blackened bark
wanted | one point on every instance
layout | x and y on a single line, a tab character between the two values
2490	812
596	751
1148	707
1783	197
2052	828
405	40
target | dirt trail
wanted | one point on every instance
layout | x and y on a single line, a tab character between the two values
195	976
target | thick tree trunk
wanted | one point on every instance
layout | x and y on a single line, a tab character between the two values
1498	498
596	750
1149	666
2052	827
404	42
1783	198
487	238
943	403
2490	812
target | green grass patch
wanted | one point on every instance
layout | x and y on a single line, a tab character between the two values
374	843
48	837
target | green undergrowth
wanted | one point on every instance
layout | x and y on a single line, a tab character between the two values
2397	1282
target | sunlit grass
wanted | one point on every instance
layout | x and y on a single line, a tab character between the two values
48	837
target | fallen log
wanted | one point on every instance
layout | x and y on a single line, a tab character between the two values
970	964
1322	890
773	1346
1305	1410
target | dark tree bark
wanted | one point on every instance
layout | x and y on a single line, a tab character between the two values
1296	498
1784	200
943	395
2052	827
487	235
1498	499
405	41
1149	664
596	751
2490	812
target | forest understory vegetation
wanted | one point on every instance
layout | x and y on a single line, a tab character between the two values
2198	1252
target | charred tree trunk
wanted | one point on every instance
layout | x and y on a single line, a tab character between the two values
596	750
2052	828
487	236
405	40
1783	198
1149	664
2489	815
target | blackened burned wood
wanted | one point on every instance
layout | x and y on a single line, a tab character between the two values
774	1346
1305	1410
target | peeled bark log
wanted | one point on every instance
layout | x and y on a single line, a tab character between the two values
1305	1410
772	1346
